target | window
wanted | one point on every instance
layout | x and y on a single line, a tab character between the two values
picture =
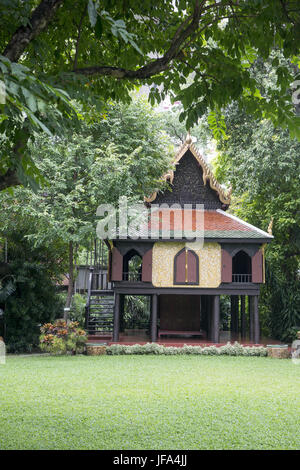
241	267
186	267
132	266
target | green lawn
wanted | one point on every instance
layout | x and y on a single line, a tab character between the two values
149	402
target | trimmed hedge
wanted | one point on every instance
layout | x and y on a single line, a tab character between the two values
235	349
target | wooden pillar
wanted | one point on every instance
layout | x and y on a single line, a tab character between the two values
237	310
216	319
234	321
251	326
255	319
154	318
116	318
231	313
209	316
122	322
248	315
243	317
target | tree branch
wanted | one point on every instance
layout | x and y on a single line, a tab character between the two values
39	20
157	66
78	36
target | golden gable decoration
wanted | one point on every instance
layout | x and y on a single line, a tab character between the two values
224	196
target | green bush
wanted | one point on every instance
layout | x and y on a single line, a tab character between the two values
34	302
77	312
62	337
235	349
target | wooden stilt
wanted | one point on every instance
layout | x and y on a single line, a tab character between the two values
232	313
234	323
122	322
243	317
251	326
216	319
154	318
116	318
255	319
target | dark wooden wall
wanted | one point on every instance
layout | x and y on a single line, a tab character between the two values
257	267
226	267
117	265
179	312
147	266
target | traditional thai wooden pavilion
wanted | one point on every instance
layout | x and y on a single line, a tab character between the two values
185	280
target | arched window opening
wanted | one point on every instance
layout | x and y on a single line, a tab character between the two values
132	266
241	267
186	267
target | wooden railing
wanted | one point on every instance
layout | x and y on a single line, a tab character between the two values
132	277
100	280
241	278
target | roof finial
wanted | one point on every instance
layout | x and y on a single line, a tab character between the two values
188	139
270	226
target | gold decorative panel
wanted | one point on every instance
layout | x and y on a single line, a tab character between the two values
163	264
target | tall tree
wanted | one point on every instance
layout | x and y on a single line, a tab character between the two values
94	49
262	164
122	155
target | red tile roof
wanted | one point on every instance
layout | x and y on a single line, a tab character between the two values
217	224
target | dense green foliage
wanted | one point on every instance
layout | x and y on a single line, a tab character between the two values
149	402
34	302
124	154
95	51
262	164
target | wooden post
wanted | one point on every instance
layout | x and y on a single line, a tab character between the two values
243	317
116	318
122	322
209	316
234	322
216	319
154	319
251	326
255	319
200	311
231	313
237	314
249	315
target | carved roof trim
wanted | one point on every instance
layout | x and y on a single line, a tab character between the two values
224	196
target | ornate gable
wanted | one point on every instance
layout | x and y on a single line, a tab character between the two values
192	182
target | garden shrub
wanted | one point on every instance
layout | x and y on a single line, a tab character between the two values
235	349
34	302
61	337
77	312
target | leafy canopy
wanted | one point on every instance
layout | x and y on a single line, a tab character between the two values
262	164
96	51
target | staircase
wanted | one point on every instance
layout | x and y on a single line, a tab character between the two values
99	310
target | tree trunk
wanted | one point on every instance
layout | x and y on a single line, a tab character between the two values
37	23
71	279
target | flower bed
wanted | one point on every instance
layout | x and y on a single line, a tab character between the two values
235	349
61	337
